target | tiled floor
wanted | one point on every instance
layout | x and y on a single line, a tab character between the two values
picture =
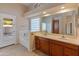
16	50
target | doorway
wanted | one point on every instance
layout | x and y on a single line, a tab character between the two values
55	26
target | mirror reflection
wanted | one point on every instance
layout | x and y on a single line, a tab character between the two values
63	23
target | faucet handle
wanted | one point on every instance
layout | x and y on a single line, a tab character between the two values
63	36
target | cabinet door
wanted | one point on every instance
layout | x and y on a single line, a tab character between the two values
56	49
37	43
70	49
70	52
44	45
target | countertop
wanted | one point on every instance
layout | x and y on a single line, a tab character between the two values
58	37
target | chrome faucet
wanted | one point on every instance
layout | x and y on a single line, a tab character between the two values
63	36
45	32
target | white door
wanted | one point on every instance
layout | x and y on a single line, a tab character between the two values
24	38
7	30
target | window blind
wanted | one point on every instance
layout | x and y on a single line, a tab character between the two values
35	25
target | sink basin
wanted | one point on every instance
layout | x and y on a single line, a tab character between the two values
64	38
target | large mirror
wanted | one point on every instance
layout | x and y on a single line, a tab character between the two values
62	23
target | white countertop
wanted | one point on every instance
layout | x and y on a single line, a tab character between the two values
59	38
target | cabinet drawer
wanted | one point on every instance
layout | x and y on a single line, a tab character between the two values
58	42
71	46
51	41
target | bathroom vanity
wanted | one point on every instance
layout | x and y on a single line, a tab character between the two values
64	26
58	43
55	46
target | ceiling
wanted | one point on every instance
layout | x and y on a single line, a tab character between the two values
33	6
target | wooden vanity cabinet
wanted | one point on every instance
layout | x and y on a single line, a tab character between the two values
56	48
70	50
42	44
37	43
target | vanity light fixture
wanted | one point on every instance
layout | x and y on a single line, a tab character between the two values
44	12
47	14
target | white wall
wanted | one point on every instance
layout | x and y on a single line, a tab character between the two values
22	22
14	9
17	10
24	33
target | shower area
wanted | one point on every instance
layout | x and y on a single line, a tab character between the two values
7	30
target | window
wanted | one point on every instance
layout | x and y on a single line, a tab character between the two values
35	25
43	26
